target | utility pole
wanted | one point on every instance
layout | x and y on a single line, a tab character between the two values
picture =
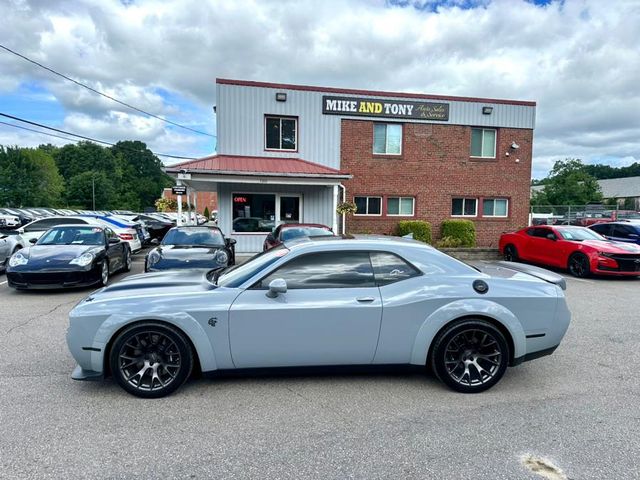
93	190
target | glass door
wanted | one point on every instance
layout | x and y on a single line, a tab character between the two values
290	209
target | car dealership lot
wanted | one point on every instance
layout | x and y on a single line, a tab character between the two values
577	407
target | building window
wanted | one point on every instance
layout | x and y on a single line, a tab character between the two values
281	133
495	207
387	138
464	207
253	212
483	142
402	206
368	205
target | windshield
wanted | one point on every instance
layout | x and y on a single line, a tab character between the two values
579	234
209	237
73	236
297	232
235	276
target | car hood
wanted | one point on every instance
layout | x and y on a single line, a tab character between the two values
62	253
611	247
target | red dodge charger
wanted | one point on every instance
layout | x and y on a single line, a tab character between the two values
578	249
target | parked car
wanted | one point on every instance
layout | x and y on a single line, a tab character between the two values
23	216
373	301
191	247
156	226
619	231
10	243
9	221
289	231
579	249
131	233
252	224
69	256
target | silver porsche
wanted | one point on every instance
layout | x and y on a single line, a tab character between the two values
321	304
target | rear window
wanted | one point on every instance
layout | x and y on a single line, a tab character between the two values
389	268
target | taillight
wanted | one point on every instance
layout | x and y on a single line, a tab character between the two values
125	236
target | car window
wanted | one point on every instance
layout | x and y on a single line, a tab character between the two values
539	232
194	236
73	236
325	270
622	231
235	276
297	232
602	229
389	268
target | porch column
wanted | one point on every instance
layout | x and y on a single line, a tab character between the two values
335	206
179	219
195	207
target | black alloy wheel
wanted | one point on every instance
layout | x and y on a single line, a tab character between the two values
151	360
510	253
127	261
104	273
470	356
579	265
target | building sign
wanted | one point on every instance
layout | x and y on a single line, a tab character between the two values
385	108
179	190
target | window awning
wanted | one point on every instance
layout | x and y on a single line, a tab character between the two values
239	167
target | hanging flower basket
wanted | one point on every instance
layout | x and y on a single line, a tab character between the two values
346	208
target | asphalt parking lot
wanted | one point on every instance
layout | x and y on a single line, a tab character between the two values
578	408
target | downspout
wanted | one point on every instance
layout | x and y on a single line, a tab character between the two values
344	199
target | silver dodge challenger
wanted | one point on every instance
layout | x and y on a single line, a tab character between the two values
321	304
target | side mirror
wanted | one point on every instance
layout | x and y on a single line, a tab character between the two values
271	238
33	240
551	236
154	241
113	241
20	231
230	241
277	286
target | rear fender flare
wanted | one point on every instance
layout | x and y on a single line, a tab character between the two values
466	308
181	320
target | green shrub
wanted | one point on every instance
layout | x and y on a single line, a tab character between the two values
449	242
462	230
206	213
421	230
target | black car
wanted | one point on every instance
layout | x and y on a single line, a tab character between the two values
191	247
69	256
157	228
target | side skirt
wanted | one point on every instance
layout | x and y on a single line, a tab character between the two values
316	370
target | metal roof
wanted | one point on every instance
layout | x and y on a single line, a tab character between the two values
275	166
620	187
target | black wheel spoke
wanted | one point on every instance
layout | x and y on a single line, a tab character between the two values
472	357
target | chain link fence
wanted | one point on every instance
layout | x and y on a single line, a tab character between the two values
578	214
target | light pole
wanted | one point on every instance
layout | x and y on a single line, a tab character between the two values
93	190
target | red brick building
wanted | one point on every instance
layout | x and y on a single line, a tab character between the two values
291	153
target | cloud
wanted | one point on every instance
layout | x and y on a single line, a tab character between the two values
576	58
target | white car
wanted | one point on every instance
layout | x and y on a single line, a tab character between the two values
9	221
371	301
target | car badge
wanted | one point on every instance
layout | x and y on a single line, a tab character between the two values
637	260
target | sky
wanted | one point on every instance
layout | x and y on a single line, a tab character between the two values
578	59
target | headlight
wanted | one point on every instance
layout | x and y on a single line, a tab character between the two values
154	257
222	257
18	259
83	260
606	254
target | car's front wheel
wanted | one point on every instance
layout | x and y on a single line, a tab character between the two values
104	273
470	356
126	262
579	265
151	360
510	253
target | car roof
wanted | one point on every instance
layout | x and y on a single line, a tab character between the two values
366	242
298	225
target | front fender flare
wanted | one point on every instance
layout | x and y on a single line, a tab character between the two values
185	322
466	308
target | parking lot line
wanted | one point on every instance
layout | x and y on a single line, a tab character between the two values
579	279
2	283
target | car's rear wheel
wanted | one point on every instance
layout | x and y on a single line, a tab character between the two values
127	261
579	265
470	356
510	253
151	360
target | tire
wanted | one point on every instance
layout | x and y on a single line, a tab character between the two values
578	265
150	360
104	273
470	356
126	262
510	253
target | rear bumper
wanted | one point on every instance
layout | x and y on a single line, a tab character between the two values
533	356
80	373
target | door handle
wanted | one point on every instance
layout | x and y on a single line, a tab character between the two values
365	299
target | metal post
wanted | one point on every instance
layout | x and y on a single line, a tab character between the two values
188	206
179	219
93	190
195	207
335	206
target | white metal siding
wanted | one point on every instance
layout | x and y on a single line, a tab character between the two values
241	111
317	203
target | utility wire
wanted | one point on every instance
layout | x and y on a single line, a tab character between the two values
101	93
78	136
37	131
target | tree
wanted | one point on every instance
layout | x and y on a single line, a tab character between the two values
81	187
28	178
568	184
206	213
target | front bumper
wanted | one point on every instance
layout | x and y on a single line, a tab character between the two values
24	280
532	356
